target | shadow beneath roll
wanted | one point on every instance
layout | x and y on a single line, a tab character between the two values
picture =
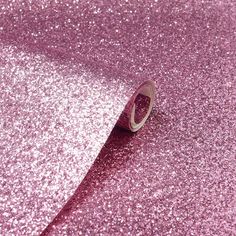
103	167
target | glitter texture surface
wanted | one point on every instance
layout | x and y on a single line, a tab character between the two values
176	176
55	119
53	125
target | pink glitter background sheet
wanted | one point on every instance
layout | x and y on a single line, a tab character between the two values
176	176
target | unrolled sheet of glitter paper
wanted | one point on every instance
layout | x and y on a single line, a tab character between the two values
56	113
55	119
180	179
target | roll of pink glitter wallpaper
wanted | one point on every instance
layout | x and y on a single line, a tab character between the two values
78	79
55	120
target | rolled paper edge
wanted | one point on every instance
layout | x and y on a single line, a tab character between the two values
126	119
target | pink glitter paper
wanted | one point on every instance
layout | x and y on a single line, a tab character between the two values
176	176
55	119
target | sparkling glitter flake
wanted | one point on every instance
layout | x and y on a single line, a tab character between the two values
67	70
